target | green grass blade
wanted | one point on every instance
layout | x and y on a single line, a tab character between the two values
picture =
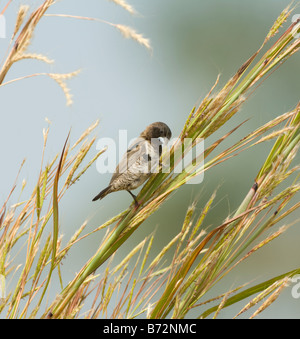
250	291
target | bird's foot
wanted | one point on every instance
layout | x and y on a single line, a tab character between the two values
136	203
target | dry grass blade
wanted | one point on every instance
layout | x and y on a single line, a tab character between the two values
55	215
225	297
55	202
5	7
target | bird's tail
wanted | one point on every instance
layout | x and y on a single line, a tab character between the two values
103	193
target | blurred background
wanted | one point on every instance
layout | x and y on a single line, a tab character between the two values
127	87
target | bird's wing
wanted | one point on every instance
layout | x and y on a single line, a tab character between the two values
134	152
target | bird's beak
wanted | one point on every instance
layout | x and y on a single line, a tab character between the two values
163	141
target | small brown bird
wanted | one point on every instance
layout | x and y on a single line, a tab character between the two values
140	160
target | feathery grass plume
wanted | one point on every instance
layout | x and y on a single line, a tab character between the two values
127	32
125	5
72	180
23	9
86	133
39	57
130	33
82	154
60	79
280	20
